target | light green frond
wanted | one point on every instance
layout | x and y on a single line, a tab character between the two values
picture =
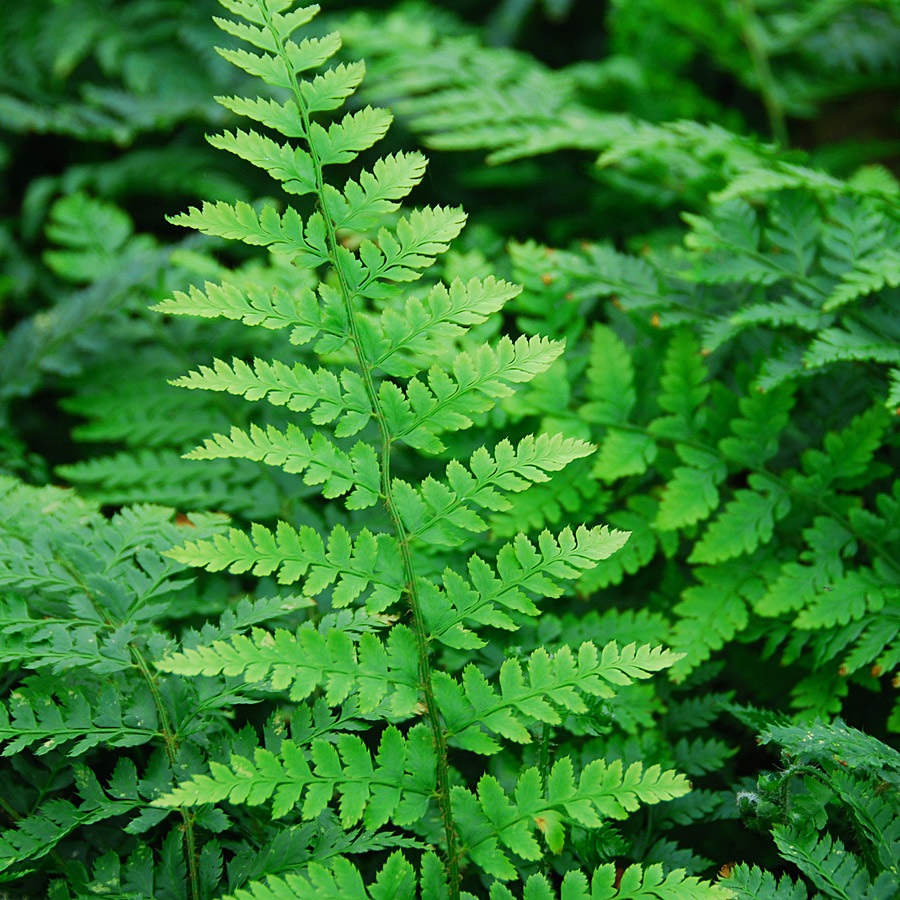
364	203
330	88
352	566
450	399
341	880
270	307
289	165
340	661
444	314
492	823
653	882
281	233
329	396
318	459
279	70
284	117
553	688
521	567
402	254
485	599
623	453
343	141
436	509
394	785
609	883
282	24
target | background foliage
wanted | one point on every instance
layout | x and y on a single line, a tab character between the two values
701	201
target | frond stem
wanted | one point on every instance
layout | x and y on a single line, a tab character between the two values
169	735
752	34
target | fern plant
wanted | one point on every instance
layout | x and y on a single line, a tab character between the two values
832	777
394	371
759	460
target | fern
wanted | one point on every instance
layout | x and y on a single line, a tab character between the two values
771	526
407	383
797	816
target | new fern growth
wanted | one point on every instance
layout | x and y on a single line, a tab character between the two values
386	372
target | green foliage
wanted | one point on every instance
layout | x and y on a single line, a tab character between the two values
816	789
770	512
385	666
478	568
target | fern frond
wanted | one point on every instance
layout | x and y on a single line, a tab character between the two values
164	476
603	791
395	783
239	221
873	273
751	883
435	509
522	570
441	316
420	236
328	396
352	566
850	343
649	882
817	741
830	866
746	522
712	612
554	683
318	459
847	453
874	815
338	659
448	401
341	880
523	567
610	378
269	307
75	720
561	500
38	834
142	413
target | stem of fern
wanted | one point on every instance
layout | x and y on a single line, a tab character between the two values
544	769
751	32
170	741
424	663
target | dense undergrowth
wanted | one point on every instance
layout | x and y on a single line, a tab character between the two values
353	545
